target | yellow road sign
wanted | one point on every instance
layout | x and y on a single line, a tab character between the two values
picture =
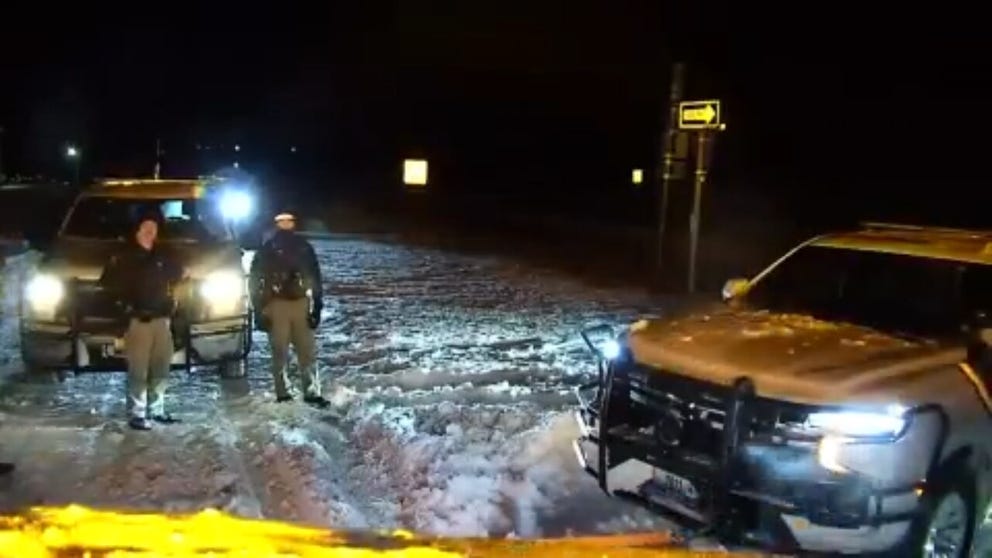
700	115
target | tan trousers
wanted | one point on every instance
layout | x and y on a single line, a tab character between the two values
149	349
288	323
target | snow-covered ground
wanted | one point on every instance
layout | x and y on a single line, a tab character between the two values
451	378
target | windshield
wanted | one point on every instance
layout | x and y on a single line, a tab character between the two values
185	220
889	292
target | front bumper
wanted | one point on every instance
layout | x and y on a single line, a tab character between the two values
763	492
101	346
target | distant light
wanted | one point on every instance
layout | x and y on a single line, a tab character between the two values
237	148
637	177
415	172
72	152
236	205
292	149
236	165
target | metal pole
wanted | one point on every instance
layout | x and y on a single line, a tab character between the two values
668	157
697	207
158	157
1	152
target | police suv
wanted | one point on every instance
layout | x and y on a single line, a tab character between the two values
839	401
67	321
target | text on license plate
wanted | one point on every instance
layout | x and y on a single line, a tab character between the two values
675	485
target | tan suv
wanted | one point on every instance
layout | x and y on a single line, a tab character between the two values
69	323
839	401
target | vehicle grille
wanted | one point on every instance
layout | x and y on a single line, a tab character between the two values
92	308
688	415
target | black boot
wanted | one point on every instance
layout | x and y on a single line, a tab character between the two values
6	468
139	423
317	401
165	418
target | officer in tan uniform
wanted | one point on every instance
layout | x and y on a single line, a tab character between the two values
287	293
141	278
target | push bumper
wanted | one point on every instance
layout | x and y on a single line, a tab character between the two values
795	507
101	347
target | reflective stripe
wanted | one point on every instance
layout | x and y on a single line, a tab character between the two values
976	381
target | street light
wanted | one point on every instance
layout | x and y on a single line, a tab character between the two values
73	154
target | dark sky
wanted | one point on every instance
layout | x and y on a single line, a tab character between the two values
560	97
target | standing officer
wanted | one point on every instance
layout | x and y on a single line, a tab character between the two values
141	278
287	294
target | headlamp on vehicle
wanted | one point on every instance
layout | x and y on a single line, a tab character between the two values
223	291
841	428
857	423
44	292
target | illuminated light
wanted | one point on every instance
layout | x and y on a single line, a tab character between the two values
236	205
224	291
415	172
859	423
236	165
637	177
292	149
44	292
610	349
237	148
72	152
829	453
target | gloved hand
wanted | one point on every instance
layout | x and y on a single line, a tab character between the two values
314	318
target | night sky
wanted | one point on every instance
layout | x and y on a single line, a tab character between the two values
550	102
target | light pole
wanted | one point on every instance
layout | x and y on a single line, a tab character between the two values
72	153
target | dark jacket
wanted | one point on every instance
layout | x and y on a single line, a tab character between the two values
285	267
141	281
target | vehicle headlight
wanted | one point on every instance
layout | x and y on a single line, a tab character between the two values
223	290
863	424
44	292
844	427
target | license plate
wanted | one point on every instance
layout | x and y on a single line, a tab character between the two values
675	486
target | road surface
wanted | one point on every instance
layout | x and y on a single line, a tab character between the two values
451	380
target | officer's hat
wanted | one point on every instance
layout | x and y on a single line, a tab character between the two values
285	216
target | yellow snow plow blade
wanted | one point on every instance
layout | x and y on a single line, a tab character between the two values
84	533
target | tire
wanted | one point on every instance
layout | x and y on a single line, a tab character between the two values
233	370
950	503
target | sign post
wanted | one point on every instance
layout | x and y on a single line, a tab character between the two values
704	117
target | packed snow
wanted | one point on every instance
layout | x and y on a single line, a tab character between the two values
451	379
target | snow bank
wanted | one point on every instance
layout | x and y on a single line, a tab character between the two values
466	470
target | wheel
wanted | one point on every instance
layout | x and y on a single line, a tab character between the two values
945	527
233	369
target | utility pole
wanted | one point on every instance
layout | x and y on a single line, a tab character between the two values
702	162
673	154
2	179
158	157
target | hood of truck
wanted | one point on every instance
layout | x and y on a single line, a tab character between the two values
796	358
85	260
78	531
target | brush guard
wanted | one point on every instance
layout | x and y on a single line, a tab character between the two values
71	331
602	414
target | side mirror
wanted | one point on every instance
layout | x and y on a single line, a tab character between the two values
734	288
